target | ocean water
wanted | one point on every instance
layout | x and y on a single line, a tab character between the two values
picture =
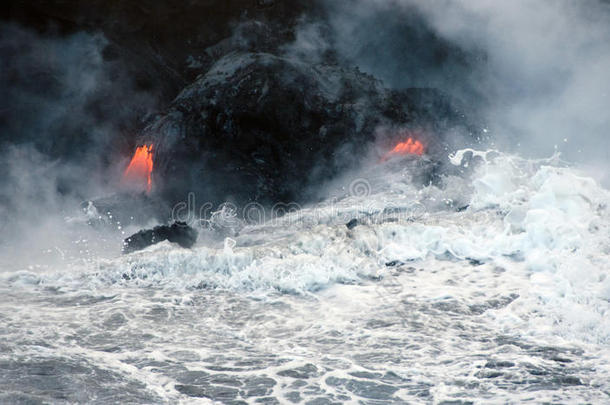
491	286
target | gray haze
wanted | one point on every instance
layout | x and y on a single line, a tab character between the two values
537	71
65	113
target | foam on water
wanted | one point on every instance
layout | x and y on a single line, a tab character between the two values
549	221
509	261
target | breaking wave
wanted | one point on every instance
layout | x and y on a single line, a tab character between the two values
542	222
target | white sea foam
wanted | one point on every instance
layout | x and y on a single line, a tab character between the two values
547	223
508	262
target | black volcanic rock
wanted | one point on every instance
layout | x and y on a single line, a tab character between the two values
259	127
352	224
178	232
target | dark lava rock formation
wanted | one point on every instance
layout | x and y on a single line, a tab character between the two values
242	119
178	232
259	127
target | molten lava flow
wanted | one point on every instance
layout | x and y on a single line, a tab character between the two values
409	147
139	171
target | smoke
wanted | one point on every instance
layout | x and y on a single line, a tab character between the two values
547	71
68	115
536	73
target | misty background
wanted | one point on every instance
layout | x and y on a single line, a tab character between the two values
536	73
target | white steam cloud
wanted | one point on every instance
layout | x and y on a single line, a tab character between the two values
548	67
537	71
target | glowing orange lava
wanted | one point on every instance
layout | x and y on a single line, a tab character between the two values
409	147
139	171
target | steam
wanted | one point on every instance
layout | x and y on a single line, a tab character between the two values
547	70
66	119
536	73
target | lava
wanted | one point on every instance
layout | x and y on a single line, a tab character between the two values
139	172
409	147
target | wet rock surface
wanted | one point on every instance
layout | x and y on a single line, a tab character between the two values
352	224
178	232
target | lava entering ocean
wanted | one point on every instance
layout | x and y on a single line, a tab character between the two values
139	172
409	147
